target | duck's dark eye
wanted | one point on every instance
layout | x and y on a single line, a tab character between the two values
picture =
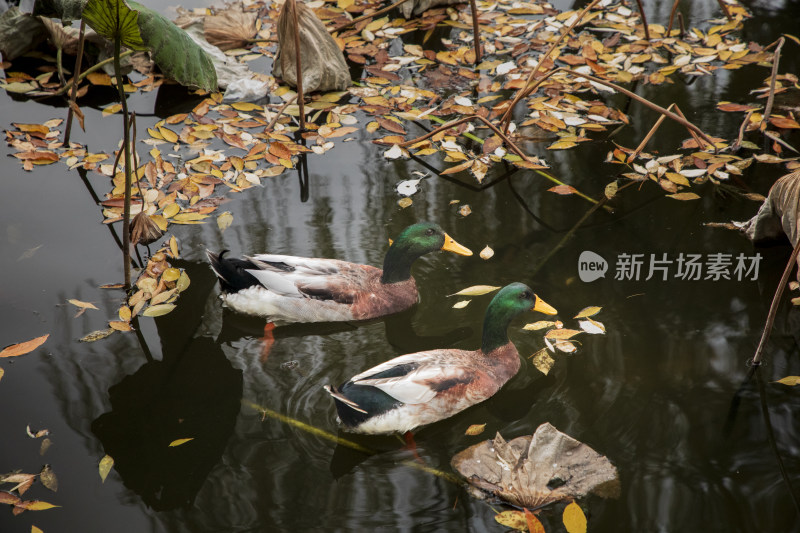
430	231
526	296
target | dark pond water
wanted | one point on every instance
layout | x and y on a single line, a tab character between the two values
653	394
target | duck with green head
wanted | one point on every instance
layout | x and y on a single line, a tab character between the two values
424	387
286	288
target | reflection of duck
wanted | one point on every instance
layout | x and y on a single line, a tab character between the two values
420	388
297	289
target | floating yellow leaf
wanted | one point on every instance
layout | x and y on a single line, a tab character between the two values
475	290
588	311
684	196
171	210
124	313
171	274
168	134
1	373
789	380
178	442
183	282
119	325
35	529
486	253
562	145
23	347
513	519
458	168
105	467
404	202
246	106
158	310
173	247
35	505
462	304
110	110
475	429
574	519
83	305
541	324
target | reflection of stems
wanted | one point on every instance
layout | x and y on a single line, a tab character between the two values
94	68
776	58
73	94
265	412
644	20
60	66
771	437
476	31
367	16
505	120
513	147
724	9
773	308
142	341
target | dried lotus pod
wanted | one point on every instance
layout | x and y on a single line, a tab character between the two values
144	230
322	63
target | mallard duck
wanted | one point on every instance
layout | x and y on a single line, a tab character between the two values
420	388
284	288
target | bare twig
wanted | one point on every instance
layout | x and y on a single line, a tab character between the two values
773	308
512	147
505	120
776	58
278	115
672	16
724	9
366	17
644	20
745	122
693	134
649	135
74	92
648	103
476	31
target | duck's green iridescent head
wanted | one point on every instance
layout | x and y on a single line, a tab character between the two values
414	242
512	300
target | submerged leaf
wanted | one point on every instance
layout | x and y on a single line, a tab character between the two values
475	429
48	478
97	335
105	467
178	442
84	305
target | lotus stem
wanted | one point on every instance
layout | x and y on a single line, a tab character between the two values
672	16
476	31
126	210
298	66
776	59
74	86
644	20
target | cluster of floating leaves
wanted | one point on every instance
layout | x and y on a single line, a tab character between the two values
559	339
20	483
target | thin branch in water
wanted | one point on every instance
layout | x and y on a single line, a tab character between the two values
511	146
745	122
672	16
724	9
644	20
366	17
773	308
776	59
505	120
693	134
778	140
655	107
649	136
278	114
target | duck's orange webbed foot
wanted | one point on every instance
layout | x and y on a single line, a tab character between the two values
269	340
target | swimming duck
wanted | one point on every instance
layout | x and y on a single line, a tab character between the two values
420	388
286	288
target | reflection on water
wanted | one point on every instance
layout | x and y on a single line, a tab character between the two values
653	394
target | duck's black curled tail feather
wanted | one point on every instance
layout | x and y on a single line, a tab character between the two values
355	404
232	273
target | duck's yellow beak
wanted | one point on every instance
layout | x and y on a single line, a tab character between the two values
543	307
452	246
